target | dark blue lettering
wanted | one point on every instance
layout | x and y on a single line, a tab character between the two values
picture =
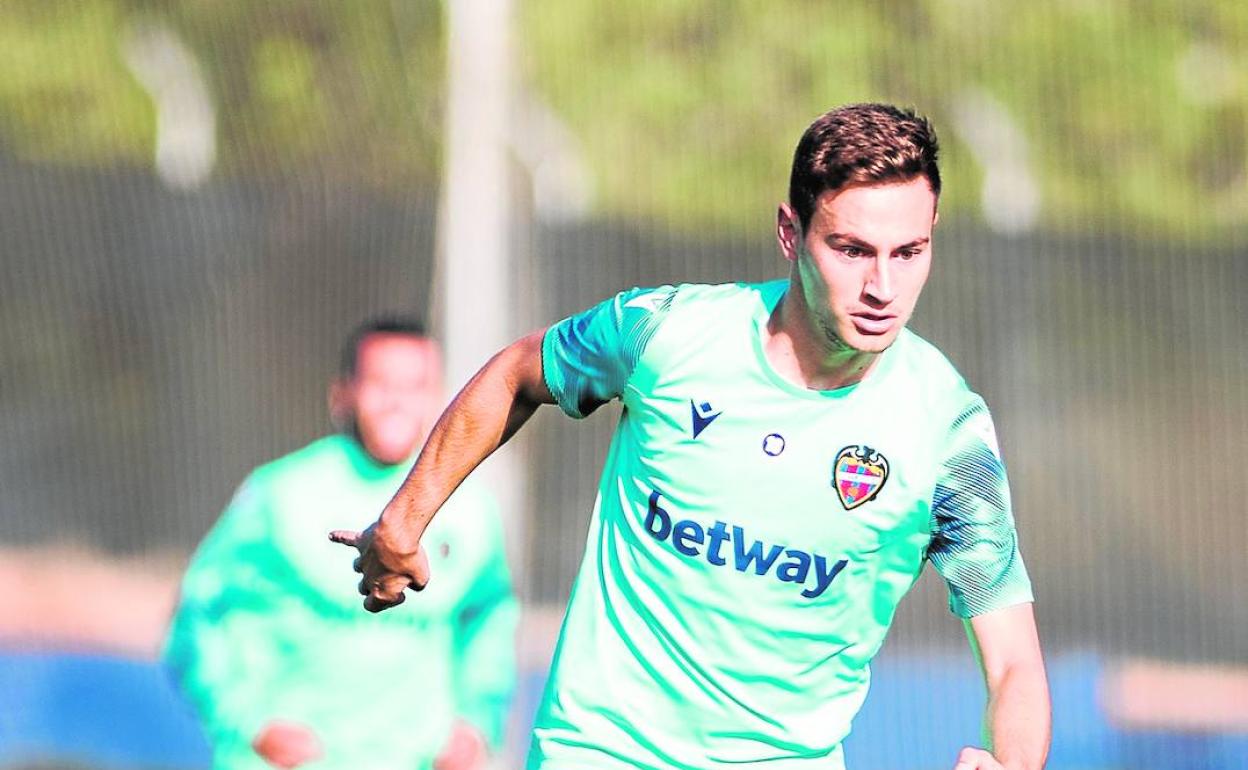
743	558
718	534
795	570
686	533
823	576
658	514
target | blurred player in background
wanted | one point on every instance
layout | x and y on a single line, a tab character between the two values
788	458
269	641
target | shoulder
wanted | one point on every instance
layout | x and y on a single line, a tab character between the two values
922	361
739	295
695	296
266	499
941	387
958	416
699	309
920	357
705	328
324	457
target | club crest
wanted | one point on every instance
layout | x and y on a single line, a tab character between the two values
858	474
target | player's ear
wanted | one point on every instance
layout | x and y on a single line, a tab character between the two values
339	403
788	231
434	374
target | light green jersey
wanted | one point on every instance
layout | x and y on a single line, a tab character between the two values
270	626
751	539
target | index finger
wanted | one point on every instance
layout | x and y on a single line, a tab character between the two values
346	537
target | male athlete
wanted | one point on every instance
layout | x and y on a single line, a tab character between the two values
264	627
788	457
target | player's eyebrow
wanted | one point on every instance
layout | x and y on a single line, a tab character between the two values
851	240
855	241
916	242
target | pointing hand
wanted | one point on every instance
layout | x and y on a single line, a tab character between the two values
386	566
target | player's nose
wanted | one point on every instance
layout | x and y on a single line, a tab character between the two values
879	287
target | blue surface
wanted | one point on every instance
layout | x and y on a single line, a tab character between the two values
898	726
97	711
922	710
106	712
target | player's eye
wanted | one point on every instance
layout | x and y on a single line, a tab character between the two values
853	252
907	254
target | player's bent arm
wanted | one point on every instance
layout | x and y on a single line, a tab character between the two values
494	404
1017	722
489	410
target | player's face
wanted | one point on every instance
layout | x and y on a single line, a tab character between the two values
863	260
394	397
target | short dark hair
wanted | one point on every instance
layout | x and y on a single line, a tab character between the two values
407	325
861	144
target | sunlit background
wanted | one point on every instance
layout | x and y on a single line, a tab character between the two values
199	198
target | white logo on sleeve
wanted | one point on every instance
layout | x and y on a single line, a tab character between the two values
649	302
984	431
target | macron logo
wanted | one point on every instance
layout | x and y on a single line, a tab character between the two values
688	537
703	415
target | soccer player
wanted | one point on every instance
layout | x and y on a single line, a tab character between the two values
788	458
269	643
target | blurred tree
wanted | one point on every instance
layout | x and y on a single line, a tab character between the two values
1131	115
353	89
1111	115
65	93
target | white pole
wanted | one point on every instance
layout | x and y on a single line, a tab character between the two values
475	315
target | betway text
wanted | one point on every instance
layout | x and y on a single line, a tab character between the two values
691	539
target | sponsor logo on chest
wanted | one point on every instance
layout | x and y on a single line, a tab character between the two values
728	545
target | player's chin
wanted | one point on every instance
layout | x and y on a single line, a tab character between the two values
869	342
390	448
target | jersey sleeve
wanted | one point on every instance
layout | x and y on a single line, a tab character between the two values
974	543
588	358
222	648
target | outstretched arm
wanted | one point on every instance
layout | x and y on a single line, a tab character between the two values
1017	722
489	410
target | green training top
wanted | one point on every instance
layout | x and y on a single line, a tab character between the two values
270	624
751	538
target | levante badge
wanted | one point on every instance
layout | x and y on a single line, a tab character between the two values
858	474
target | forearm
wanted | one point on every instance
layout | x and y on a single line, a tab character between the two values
1017	722
494	404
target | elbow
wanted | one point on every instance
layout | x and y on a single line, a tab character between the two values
1023	675
520	365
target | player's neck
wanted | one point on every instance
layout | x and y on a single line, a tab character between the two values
804	355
